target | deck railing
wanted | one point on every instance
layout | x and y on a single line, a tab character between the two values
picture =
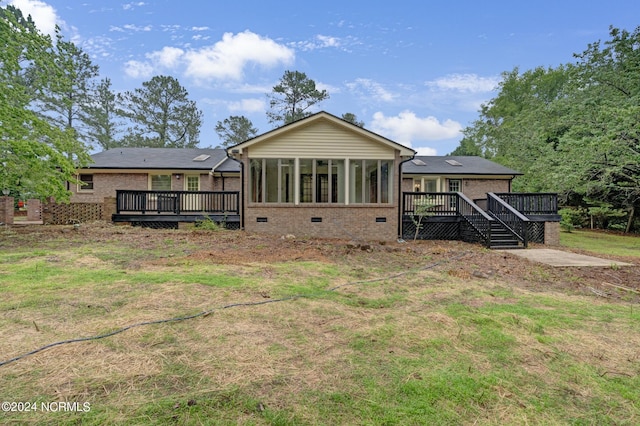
177	202
477	218
512	219
430	203
532	204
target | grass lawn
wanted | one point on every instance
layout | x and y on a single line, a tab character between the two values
602	242
394	334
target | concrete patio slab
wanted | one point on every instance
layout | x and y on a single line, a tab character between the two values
563	258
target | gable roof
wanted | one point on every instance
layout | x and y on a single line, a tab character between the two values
317	117
455	165
161	158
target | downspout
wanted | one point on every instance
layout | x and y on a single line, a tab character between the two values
242	191
400	197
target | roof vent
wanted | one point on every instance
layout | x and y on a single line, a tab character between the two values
418	162
453	163
202	157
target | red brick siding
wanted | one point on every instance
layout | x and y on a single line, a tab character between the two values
105	185
347	222
478	188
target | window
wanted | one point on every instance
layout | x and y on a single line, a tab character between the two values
371	181
271	180
192	183
160	182
425	184
320	181
454	185
86	183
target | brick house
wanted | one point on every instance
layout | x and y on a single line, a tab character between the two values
320	177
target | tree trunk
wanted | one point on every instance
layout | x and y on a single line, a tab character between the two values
630	221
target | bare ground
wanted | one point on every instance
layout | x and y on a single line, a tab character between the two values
465	261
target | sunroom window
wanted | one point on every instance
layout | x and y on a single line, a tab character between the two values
371	181
320	181
271	180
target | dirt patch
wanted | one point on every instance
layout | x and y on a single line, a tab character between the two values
459	260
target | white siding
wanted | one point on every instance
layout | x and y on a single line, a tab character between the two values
322	140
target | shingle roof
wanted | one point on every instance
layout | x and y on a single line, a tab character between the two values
160	158
445	165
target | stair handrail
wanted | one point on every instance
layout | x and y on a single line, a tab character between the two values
507	215
479	220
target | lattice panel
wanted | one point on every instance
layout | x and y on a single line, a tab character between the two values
536	232
66	214
156	225
431	231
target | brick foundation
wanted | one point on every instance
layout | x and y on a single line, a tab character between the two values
323	221
552	233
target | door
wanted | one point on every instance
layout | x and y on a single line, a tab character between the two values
192	202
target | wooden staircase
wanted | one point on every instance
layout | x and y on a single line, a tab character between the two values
502	238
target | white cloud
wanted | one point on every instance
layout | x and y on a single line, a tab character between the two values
168	57
129	6
199	28
228	57
225	59
136	28
371	89
137	69
465	83
44	15
406	128
248	105
425	150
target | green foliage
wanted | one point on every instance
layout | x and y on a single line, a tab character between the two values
235	130
421	209
353	119
572	218
37	158
604	215
161	114
208	224
573	129
102	119
292	98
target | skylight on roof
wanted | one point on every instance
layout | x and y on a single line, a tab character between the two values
202	157
453	163
418	162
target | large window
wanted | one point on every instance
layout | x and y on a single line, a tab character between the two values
160	182
320	181
271	180
371	181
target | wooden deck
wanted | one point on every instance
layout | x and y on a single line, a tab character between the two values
167	207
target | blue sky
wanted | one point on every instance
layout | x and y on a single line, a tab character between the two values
414	71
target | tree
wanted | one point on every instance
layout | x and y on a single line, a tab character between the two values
101	117
161	115
235	130
351	118
37	159
66	98
292	98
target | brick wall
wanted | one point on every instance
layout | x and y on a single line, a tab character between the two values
346	222
6	209
231	183
105	185
478	188
552	233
